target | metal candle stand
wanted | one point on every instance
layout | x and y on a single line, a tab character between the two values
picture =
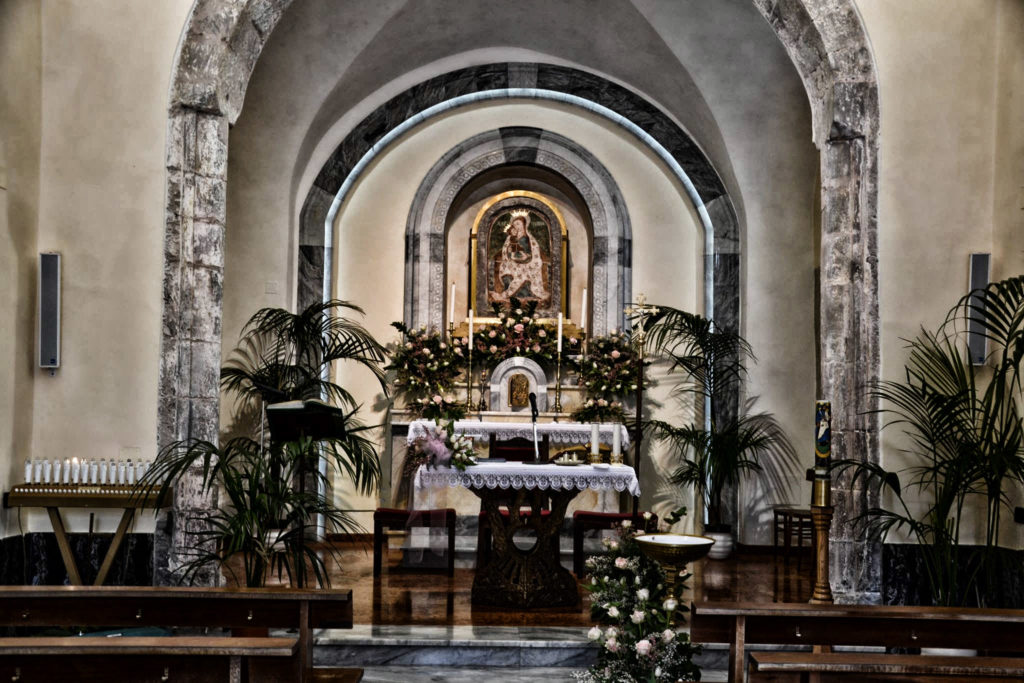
558	384
821	501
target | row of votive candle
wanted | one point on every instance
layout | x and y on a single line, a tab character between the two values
84	471
595	438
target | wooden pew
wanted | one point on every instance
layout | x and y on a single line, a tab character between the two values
785	667
742	624
112	607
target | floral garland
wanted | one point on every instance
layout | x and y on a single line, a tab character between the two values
440	447
519	333
608	374
637	632
425	368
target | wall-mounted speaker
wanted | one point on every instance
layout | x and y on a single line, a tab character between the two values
977	342
48	310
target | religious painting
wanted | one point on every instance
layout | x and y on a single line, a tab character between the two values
519	258
518	248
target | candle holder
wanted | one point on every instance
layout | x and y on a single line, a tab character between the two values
451	332
481	405
558	384
469	378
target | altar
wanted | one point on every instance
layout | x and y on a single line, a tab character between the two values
524	569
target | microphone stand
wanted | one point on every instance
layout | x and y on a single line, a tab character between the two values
533	412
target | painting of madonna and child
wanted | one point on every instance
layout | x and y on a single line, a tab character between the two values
523	260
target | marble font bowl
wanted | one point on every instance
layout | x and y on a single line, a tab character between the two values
674	549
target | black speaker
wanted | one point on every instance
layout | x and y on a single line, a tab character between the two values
977	342
48	310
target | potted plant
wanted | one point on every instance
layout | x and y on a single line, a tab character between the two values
724	443
965	442
273	490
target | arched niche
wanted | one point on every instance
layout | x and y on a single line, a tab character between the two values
457	169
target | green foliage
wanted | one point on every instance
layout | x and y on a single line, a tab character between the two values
966	441
270	494
638	632
714	453
609	374
519	332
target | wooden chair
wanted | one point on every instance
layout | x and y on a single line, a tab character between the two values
392	518
795	525
586	519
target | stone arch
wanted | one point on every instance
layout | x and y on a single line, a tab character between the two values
220	44
722	257
425	229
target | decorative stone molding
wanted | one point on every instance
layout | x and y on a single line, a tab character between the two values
503	372
429	216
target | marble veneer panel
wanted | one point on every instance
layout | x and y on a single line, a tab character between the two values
34	559
905	580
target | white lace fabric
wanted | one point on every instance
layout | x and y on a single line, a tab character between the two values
514	475
557	432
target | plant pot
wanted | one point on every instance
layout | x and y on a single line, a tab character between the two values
724	544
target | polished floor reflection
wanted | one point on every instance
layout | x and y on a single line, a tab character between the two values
415	597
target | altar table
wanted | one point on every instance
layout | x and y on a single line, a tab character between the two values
530	577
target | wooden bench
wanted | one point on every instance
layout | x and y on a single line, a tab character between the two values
742	624
184	658
783	667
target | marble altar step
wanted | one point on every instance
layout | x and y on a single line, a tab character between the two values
498	653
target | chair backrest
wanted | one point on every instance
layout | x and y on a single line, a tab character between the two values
517	450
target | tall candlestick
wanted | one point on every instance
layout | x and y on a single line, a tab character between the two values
451	305
471	328
617	440
583	312
559	332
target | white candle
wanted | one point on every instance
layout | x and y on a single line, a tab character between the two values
451	306
37	471
583	312
67	471
56	471
47	471
140	470
120	472
103	471
595	437
471	328
559	332
76	470
130	472
617	440
28	471
94	472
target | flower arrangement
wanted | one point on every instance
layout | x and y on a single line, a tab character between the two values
425	368
636	620
518	332
608	374
441	447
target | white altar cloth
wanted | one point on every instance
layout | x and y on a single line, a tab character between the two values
516	475
557	432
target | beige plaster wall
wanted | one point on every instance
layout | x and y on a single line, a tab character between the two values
105	74
20	74
948	163
370	233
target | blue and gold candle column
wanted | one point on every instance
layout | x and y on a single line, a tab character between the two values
821	501
821	495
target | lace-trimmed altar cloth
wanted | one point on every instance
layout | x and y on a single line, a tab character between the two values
515	475
557	432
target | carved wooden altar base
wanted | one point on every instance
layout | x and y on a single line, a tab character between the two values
530	578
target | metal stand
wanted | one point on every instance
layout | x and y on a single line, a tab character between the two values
469	380
821	513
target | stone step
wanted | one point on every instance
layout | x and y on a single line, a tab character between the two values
515	651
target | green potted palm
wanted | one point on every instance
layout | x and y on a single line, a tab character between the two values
723	443
964	443
271	487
